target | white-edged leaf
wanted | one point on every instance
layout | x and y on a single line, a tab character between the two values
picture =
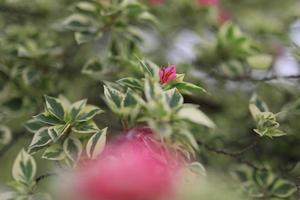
5	135
88	112
174	98
193	114
24	168
54	152
114	98
54	106
197	168
96	144
76	108
40	139
86	127
283	188
47	118
55	132
33	125
73	148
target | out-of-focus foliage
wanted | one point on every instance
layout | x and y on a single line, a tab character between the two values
237	62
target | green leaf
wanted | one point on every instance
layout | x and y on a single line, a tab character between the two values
88	7
92	66
78	22
96	144
55	132
54	106
129	99
24	168
193	114
262	61
283	188
189	136
149	68
72	148
254	191
197	168
47	118
40	139
88	113
34	125
5	135
132	83
83	37
54	152
162	128
85	127
189	88
259	103
174	98
114	98
264	178
76	108
152	89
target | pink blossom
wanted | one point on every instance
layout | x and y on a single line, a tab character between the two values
223	16
208	2
133	167
167	74
155	2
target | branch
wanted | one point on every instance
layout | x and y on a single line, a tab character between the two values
21	11
235	156
246	148
44	176
249	78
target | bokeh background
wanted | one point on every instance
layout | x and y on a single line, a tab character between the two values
232	48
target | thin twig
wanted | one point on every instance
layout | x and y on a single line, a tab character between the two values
229	154
249	78
21	11
247	148
44	176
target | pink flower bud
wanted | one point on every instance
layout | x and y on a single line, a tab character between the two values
134	167
167	74
209	2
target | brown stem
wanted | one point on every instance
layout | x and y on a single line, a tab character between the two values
229	154
44	176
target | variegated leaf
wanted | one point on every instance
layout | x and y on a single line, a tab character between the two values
73	148
54	152
96	144
24	168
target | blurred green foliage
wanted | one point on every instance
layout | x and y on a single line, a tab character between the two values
71	48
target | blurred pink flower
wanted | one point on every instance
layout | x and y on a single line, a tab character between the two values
223	16
134	167
208	2
156	2
167	74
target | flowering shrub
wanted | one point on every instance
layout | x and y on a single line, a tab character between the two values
128	100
